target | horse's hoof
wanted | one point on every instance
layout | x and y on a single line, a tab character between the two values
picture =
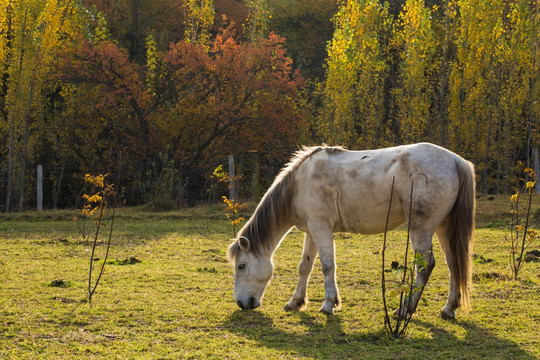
295	305
327	311
329	308
447	314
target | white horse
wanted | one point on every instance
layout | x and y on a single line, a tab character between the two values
329	189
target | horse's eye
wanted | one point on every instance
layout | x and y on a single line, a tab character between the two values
241	266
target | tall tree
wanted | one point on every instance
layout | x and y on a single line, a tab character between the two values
199	20
39	30
258	22
444	30
476	81
414	97
354	88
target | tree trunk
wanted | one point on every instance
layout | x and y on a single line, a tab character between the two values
462	89
12	120
443	81
24	157
59	185
533	79
10	164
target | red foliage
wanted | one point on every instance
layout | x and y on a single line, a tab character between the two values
238	97
233	99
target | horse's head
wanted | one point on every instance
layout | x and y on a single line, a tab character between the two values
252	273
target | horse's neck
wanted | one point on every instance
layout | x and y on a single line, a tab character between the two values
273	237
279	233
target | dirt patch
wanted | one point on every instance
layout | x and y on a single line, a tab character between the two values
60	283
490	276
127	261
532	256
480	259
67	300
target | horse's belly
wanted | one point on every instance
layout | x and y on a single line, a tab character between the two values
368	224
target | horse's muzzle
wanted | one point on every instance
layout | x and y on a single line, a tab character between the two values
252	303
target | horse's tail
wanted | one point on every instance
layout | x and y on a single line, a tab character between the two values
460	232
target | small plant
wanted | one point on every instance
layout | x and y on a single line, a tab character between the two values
232	210
520	234
96	205
405	285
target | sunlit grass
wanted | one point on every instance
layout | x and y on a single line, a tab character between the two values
177	301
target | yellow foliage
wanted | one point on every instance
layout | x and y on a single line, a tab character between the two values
259	19
101	33
96	198
96	181
198	20
514	198
232	210
413	34
354	89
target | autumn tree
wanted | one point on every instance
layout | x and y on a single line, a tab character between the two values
236	96
524	71
461	73
258	21
113	110
443	29
37	31
490	83
354	88
414	37
176	114
199	19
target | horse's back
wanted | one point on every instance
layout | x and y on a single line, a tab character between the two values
351	189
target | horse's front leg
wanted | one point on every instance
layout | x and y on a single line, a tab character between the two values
299	299
324	239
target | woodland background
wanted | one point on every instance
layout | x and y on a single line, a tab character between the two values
162	91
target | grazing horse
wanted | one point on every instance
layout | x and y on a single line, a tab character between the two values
324	190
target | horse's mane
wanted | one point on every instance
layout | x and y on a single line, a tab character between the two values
275	206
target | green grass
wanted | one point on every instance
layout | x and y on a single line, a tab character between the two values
177	301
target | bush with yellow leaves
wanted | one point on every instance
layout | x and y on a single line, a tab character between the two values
521	236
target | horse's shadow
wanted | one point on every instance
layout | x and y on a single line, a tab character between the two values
329	340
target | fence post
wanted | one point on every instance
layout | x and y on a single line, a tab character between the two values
39	187
232	184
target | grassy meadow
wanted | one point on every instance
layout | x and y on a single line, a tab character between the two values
167	294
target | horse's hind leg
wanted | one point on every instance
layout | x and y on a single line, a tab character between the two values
422	244
299	299
449	310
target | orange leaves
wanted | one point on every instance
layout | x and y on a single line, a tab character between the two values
235	96
189	102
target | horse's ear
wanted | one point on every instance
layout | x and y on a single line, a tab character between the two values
244	244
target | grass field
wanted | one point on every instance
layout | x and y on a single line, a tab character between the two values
167	294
